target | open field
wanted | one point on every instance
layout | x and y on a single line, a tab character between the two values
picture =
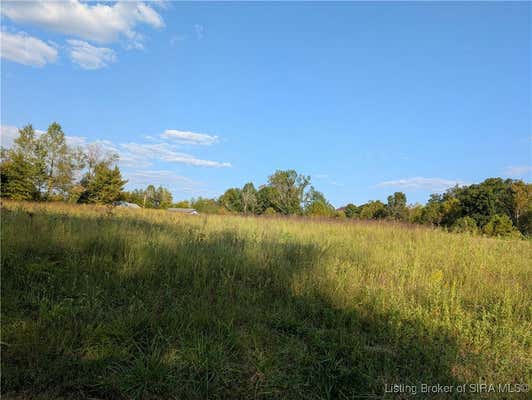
154	305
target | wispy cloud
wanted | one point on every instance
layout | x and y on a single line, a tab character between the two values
168	153
186	137
8	134
437	184
101	23
518	171
90	57
139	155
165	178
25	49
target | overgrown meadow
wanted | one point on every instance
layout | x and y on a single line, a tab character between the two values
109	304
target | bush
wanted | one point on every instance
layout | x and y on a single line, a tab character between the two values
500	225
465	224
269	211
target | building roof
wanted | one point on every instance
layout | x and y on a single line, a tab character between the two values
183	210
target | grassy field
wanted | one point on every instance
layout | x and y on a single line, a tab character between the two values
155	305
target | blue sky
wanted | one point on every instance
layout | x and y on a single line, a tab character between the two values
367	98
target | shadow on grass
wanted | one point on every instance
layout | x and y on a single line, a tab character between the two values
172	311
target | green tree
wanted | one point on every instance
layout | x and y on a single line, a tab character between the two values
106	186
16	182
373	210
432	213
163	197
289	191
351	211
317	205
521	193
22	171
207	206
232	200
465	224
396	207
97	154
500	225
266	196
484	200
60	161
249	198
415	214
182	204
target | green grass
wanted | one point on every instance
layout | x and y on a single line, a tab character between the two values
155	305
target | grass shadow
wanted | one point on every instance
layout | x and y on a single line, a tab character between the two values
100	308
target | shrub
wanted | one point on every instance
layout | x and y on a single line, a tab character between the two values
500	225
465	224
269	211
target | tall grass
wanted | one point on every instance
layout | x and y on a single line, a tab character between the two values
155	305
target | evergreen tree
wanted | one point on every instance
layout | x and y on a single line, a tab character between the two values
106	185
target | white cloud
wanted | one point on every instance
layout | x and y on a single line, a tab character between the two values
189	137
76	141
518	171
162	178
7	135
25	49
102	23
437	184
137	155
90	57
165	152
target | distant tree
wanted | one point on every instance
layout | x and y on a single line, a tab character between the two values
465	224
207	206
396	207
340	214
373	210
269	211
106	185
249	198
150	200
431	213
135	196
500	225
232	200
351	211
521	208
415	214
182	204
97	154
266	196
484	200
150	197
164	197
60	161
317	205
288	196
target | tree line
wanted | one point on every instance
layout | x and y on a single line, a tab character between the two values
44	167
496	206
